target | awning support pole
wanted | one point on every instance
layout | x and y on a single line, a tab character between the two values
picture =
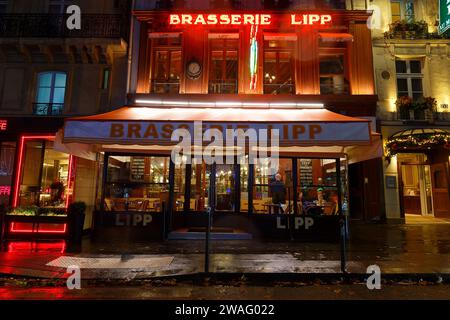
343	236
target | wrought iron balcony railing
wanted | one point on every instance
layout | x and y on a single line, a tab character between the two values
219	86
48	109
55	26
417	116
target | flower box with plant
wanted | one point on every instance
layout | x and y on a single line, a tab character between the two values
36	222
404	105
422	106
408	30
35	211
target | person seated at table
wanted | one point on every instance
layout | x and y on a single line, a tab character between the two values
278	190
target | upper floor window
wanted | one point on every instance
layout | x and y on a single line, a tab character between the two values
402	10
409	78
223	67
333	74
279	67
166	71
333	64
50	93
3	6
58	6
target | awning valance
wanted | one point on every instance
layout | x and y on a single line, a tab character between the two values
335	37
154	126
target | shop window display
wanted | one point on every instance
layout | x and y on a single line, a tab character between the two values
44	178
137	183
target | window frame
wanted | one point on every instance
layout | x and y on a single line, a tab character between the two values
292	50
327	51
409	76
169	48
50	103
403	15
4	5
225	49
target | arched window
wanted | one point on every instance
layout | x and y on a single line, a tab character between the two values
50	93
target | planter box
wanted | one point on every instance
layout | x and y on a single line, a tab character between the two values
36	227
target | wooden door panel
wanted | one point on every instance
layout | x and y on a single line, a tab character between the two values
441	199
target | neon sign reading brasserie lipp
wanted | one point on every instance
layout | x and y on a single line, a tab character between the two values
246	19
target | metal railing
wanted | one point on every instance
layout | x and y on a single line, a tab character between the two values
163	86
219	86
279	88
55	26
420	116
333	88
48	109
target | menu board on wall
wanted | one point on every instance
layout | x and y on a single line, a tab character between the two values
137	168
306	172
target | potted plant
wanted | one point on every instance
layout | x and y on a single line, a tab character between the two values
404	105
423	105
76	215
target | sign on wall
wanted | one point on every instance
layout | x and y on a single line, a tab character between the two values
147	132
444	16
3	125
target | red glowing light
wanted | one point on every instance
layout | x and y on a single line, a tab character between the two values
69	179
221	19
19	163
310	19
5	190
43	228
3	125
246	19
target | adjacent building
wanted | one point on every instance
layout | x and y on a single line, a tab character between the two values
48	73
412	71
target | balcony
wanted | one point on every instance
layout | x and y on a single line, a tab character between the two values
218	86
54	26
425	116
411	31
48	109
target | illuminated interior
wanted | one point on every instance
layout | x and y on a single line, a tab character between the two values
43	176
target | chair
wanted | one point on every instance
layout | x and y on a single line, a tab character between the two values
314	211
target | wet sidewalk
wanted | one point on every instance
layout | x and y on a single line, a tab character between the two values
396	249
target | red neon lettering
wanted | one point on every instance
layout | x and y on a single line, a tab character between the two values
174	19
310	19
324	19
3	125
235	19
200	20
186	19
224	19
265	19
249	19
5	190
313	18
212	19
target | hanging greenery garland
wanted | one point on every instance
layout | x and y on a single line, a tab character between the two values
416	141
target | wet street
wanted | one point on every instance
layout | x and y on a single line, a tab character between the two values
399	251
307	292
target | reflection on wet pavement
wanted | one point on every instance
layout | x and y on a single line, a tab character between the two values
395	248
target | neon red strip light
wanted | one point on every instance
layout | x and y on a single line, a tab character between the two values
69	180
19	163
12	229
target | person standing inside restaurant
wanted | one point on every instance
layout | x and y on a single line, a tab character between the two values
278	190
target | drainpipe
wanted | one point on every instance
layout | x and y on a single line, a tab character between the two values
130	49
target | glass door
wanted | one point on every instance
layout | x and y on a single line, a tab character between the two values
416	186
224	192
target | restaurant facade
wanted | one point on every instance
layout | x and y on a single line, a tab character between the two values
294	89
